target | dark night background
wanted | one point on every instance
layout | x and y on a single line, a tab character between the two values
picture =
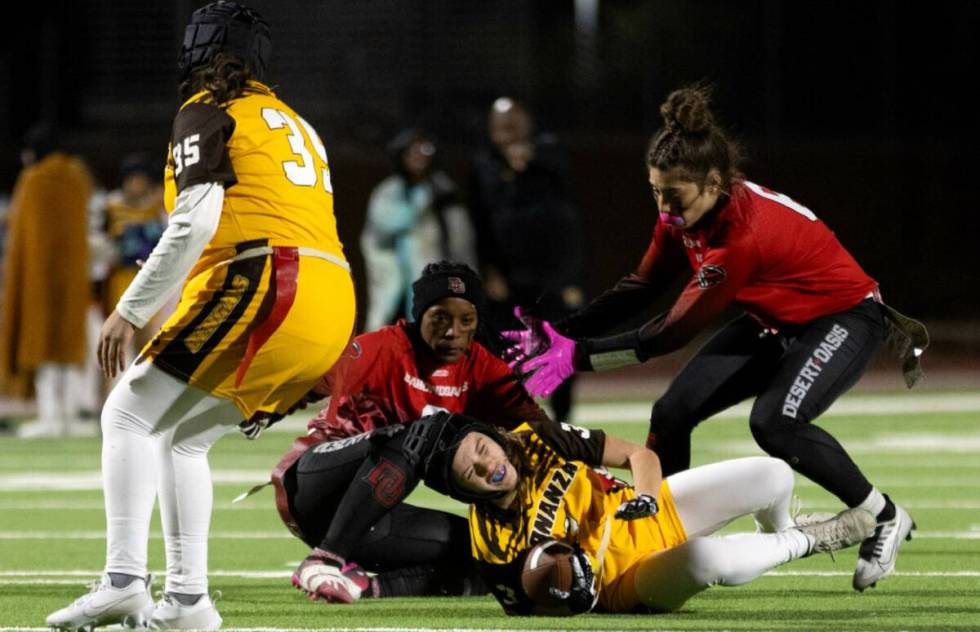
862	111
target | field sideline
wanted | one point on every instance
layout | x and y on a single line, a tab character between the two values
924	450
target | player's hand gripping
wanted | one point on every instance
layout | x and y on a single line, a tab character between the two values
584	592
115	338
642	506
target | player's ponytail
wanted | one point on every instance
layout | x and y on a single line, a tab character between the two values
692	139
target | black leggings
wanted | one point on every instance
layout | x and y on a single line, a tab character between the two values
794	376
346	496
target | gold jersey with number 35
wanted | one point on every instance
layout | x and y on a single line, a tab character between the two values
278	192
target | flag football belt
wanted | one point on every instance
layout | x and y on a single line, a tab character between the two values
261	251
906	337
285	271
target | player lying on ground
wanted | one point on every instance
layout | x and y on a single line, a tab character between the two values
813	319
649	544
344	497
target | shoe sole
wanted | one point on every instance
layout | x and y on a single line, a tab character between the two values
874	584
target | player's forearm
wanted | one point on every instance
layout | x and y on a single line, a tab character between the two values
629	297
197	212
647	475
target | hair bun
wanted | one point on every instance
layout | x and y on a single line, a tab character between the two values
686	111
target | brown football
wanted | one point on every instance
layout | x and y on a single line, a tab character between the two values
548	565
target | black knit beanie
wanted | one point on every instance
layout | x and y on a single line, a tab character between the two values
446	279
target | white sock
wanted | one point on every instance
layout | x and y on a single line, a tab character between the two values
874	503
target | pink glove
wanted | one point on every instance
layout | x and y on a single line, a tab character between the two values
527	342
553	366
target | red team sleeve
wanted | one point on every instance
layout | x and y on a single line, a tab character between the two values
723	272
662	263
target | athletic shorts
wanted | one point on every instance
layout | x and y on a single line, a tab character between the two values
206	338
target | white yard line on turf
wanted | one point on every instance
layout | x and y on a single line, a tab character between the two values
886	444
92	479
64	576
639	411
285	535
438	503
331	629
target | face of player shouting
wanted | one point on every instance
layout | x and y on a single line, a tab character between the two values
681	200
480	465
448	327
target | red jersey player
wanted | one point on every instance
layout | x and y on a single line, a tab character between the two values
813	319
340	488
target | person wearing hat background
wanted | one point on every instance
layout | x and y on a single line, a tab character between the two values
440	361
415	216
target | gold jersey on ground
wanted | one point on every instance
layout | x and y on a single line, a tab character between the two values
567	499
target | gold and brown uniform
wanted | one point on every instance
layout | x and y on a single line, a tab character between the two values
567	496
274	258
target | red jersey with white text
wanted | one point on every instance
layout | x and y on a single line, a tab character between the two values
390	376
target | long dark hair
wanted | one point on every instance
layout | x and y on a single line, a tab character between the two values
225	77
692	139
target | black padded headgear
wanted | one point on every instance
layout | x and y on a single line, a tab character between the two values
225	27
444	436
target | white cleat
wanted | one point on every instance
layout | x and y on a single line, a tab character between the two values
170	614
876	558
129	606
847	528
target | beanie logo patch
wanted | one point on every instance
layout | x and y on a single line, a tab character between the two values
456	285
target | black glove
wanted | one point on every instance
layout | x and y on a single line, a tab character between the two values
584	592
642	506
253	427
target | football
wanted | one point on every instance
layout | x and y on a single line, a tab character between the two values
548	566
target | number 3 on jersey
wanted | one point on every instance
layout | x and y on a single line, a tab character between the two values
300	172
785	200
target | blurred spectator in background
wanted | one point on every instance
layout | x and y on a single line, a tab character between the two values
414	218
46	289
135	218
529	234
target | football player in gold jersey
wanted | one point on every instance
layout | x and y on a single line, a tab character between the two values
266	309
640	547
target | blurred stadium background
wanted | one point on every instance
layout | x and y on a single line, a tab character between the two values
858	110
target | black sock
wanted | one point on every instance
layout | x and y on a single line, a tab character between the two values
888	513
121	580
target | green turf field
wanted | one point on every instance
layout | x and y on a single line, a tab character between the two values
922	450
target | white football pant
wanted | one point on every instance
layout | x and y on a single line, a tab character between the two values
157	431
708	498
